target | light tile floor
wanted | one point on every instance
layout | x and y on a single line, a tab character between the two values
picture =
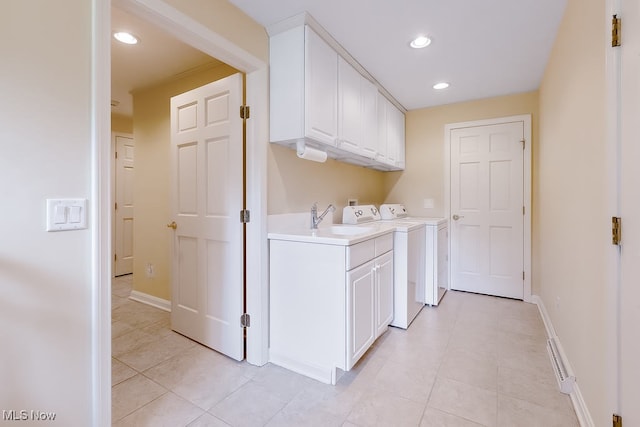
473	361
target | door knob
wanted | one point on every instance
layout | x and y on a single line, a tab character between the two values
172	225
456	217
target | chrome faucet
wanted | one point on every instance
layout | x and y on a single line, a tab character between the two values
315	219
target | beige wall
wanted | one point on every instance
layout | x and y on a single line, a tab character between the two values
151	129
294	184
572	232
423	177
120	123
46	277
228	21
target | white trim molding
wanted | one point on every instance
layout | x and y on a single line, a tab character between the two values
151	300
579	405
100	211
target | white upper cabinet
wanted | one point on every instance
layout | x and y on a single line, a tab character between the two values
319	97
357	112
321	89
395	135
304	88
369	118
391	135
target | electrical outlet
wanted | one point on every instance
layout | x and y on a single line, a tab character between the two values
557	303
150	270
428	203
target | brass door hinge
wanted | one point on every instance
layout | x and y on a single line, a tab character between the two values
617	420
615	31
245	112
616	230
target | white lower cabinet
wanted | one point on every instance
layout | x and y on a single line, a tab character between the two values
361	328
328	303
384	293
369	305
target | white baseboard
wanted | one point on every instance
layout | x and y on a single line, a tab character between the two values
579	405
156	302
320	373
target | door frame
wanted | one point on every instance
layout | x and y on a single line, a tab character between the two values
526	120
197	35
613	145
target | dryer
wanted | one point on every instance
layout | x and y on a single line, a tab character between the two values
436	264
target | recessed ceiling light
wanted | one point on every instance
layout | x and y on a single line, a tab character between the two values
420	42
125	37
440	86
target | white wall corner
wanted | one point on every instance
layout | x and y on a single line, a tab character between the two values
156	302
579	405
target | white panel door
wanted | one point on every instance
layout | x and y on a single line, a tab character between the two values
629	296
487	227
123	224
206	188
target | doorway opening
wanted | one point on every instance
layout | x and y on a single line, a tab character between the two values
194	34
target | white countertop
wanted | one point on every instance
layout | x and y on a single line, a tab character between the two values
342	234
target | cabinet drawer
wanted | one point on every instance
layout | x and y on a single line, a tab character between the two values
360	253
384	244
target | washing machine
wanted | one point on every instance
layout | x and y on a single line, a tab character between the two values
408	261
436	236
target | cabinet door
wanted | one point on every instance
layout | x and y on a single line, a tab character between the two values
395	136
390	150
400	139
360	312
357	112
384	292
381	155
349	107
321	89
369	95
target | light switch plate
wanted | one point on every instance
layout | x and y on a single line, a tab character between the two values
66	214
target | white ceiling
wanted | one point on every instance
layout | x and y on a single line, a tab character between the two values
482	48
157	58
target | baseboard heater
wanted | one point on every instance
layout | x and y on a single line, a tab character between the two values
563	375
